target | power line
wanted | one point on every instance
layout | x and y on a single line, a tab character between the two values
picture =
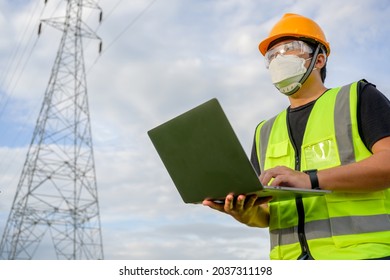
127	27
14	70
124	30
14	57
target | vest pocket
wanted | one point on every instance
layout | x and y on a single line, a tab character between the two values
278	154
321	154
277	150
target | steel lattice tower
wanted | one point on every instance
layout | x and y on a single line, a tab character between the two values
57	192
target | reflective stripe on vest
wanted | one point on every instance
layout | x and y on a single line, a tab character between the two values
334	221
340	226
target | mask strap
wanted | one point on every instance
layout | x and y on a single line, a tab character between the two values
309	69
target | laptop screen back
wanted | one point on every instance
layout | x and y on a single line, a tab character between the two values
203	155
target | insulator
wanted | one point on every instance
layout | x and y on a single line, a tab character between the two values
100	47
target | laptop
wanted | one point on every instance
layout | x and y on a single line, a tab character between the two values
205	159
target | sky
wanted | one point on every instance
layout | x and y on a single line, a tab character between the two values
160	58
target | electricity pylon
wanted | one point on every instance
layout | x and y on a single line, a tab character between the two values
57	196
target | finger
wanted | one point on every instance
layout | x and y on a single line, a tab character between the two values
280	180
213	205
251	201
228	206
267	176
261	177
263	200
254	201
276	182
240	202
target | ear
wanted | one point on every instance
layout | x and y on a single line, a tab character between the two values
321	61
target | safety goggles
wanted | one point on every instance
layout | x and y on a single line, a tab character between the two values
290	48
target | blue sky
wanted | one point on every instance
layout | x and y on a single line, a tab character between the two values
157	63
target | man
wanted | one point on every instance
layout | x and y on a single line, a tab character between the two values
333	139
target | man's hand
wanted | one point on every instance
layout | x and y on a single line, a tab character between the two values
250	210
285	177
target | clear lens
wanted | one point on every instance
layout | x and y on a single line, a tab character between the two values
290	48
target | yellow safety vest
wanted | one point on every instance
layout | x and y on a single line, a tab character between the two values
339	225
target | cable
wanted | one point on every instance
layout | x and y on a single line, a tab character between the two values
12	59
120	34
131	24
18	62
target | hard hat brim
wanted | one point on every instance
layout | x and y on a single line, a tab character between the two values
264	45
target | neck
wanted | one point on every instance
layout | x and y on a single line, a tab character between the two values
309	91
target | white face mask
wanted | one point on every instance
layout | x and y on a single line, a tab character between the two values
286	72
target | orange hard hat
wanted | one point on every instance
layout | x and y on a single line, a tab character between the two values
293	25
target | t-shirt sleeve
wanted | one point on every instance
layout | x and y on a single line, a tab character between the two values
374	114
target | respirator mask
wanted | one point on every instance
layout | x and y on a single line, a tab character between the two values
287	68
